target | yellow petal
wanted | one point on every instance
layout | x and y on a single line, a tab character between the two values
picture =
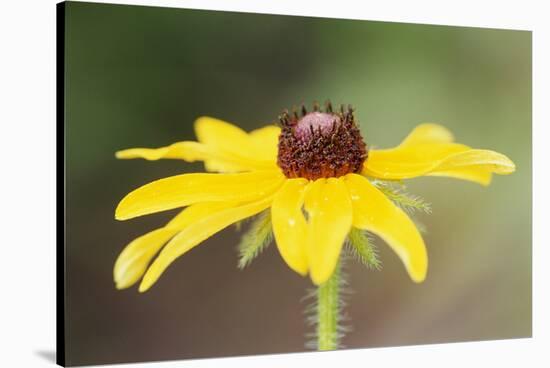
329	209
473	174
134	259
136	256
235	145
482	159
409	161
223	147
226	166
191	213
428	133
188	151
266	139
196	232
182	190
428	151
289	224
219	133
374	212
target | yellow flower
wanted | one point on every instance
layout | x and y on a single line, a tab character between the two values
312	174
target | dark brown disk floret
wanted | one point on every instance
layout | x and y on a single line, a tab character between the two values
320	144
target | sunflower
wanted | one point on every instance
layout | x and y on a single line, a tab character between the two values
313	171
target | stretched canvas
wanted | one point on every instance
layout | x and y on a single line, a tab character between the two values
243	184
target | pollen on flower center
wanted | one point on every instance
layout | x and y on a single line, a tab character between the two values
320	144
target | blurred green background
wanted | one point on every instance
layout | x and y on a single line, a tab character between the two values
139	76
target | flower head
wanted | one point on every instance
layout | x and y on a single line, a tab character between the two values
312	173
320	144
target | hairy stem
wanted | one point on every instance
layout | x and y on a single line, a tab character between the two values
328	295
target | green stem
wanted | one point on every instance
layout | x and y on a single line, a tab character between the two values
328	302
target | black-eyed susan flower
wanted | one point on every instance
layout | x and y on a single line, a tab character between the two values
317	181
312	172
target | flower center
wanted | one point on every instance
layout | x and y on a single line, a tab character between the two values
319	144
